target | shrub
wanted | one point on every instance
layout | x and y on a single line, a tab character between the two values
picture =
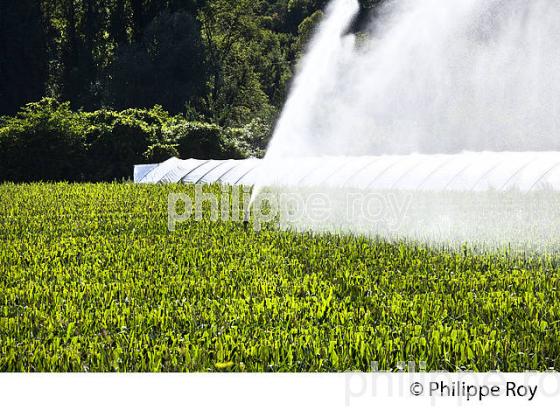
160	152
48	141
116	142
155	117
250	140
197	140
44	141
209	141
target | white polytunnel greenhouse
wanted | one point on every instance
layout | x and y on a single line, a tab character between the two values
468	171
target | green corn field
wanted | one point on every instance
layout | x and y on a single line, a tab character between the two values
91	279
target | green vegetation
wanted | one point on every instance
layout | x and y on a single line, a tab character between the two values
47	141
91	280
79	80
222	61
225	60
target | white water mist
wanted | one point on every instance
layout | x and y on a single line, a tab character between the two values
431	76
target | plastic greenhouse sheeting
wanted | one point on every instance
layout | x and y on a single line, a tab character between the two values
468	171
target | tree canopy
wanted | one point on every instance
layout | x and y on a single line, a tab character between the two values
70	66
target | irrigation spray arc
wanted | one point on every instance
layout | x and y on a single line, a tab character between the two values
329	48
429	77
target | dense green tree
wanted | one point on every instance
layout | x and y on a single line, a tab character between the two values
245	58
79	73
229	61
166	67
23	54
119	22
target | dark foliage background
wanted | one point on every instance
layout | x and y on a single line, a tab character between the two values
142	80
